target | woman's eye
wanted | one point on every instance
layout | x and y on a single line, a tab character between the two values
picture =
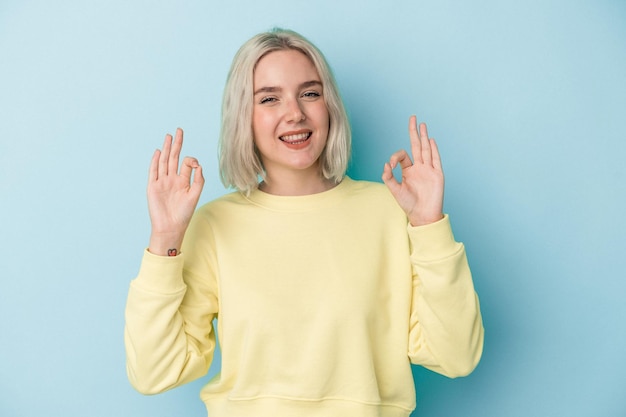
311	94
267	100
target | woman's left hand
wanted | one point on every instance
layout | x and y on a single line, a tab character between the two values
420	194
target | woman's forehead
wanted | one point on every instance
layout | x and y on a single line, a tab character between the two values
277	65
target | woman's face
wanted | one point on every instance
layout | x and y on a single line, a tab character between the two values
290	120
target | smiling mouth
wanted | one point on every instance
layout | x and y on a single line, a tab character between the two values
295	139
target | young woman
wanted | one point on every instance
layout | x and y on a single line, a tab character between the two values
325	289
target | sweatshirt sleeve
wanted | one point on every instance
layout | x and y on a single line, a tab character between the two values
169	336
446	330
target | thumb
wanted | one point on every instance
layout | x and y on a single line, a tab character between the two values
198	179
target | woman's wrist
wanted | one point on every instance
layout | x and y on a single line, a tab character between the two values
165	244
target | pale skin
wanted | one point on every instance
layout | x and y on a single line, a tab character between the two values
420	194
174	188
289	100
173	193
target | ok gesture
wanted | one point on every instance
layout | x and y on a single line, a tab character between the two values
420	194
172	195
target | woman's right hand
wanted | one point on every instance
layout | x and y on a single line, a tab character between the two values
172	195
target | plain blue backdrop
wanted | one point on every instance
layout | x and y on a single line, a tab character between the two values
526	99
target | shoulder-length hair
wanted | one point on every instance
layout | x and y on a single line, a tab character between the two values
239	160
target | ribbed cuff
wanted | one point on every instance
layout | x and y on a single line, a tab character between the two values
432	241
162	274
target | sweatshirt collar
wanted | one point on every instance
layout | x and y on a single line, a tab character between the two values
299	203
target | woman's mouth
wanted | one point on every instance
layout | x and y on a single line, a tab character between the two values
295	139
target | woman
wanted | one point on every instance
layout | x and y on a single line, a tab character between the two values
325	289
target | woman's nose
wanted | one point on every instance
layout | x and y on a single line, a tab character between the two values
295	113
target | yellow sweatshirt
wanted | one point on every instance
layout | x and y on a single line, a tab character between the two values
322	302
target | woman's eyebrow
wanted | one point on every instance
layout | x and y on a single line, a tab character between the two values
267	90
311	83
270	89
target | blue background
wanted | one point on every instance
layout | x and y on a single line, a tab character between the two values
526	99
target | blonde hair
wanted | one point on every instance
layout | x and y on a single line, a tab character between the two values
239	160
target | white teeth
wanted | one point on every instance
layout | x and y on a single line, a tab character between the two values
295	138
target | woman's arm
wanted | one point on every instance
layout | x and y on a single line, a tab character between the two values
168	340
169	335
446	331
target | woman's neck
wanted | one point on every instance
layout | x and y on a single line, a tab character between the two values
296	185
